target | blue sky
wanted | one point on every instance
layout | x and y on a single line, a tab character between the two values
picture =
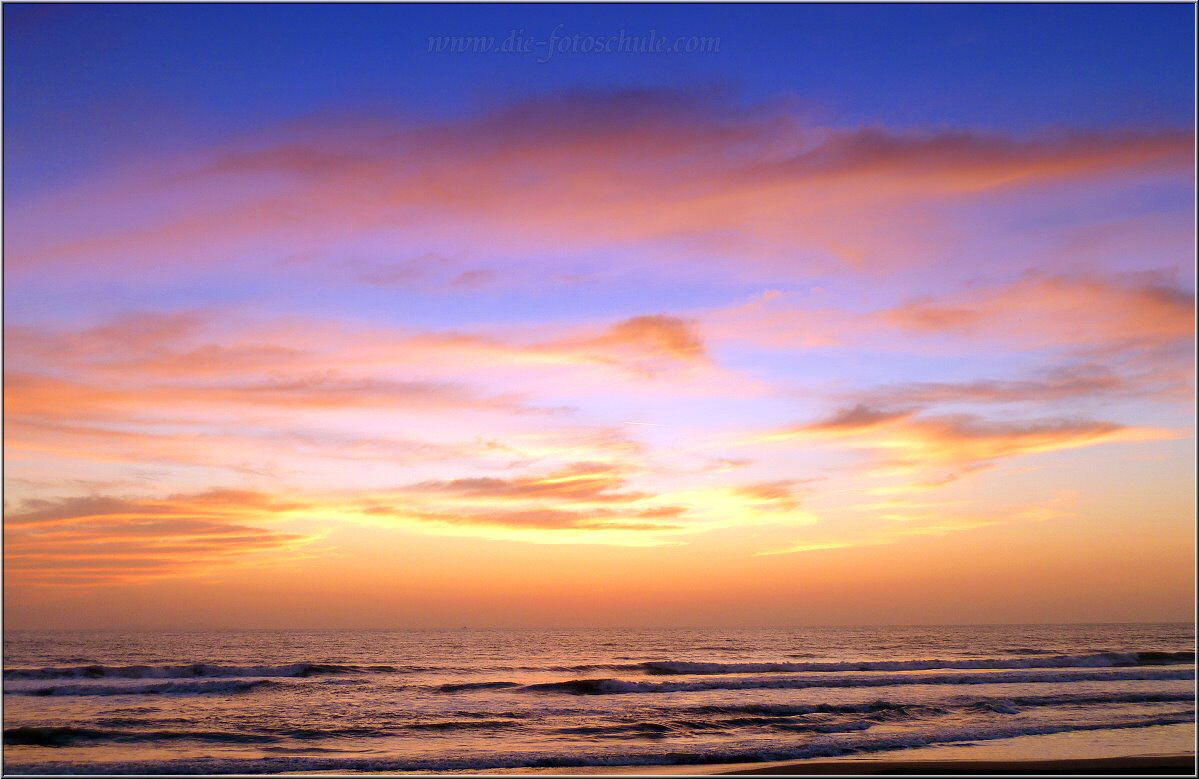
144	79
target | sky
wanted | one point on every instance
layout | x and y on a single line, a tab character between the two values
348	316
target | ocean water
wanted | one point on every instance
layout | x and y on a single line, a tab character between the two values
436	701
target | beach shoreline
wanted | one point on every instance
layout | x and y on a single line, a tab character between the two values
1167	750
1130	765
1148	765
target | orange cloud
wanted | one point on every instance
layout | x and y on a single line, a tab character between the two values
539	519
944	448
969	162
776	495
188	390
965	439
642	342
99	539
856	419
1096	336
591	482
308	360
1057	311
584	502
37	396
643	346
1093	315
1056	384
106	540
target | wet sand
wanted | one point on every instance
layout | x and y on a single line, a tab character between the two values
1183	765
1157	751
1144	765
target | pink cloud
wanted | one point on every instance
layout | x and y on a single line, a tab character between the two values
1043	310
560	172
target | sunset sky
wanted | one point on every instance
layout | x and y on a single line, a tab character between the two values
874	315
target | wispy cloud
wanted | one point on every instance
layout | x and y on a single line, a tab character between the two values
908	523
1058	311
939	449
107	540
677	167
590	482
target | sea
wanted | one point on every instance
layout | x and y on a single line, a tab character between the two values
391	701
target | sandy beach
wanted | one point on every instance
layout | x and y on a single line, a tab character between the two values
1145	765
1163	751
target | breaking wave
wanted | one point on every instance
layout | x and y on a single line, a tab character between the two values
791	710
193	670
161	688
67	736
831	746
1097	660
459	687
620	686
1043	659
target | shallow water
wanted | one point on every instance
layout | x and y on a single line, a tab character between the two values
269	701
